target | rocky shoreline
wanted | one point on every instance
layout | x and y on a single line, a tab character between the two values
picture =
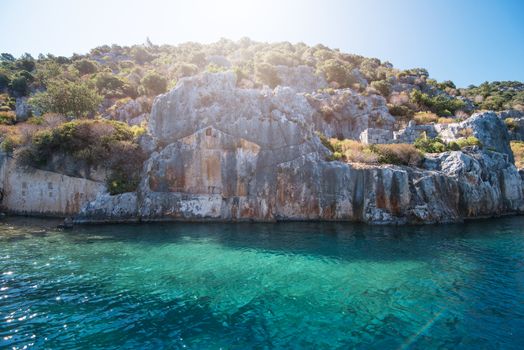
218	152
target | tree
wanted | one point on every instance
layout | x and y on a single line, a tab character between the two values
382	86
86	66
75	99
154	84
337	71
20	84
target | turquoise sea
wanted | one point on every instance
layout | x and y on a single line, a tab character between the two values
262	286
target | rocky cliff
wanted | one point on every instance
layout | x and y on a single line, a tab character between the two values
226	153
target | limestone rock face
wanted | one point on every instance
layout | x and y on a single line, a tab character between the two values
346	114
23	109
487	127
225	153
133	112
300	78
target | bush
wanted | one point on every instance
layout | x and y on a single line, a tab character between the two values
338	72
437	145
4	81
141	55
68	98
430	145
425	118
186	70
469	141
382	86
9	143
398	154
511	124
518	151
154	84
112	86
401	111
20	85
93	143
85	66
266	74
355	152
441	104
7	117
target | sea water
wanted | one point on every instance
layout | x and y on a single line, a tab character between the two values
263	286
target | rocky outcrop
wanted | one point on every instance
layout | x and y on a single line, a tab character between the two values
229	154
223	153
23	109
300	78
346	114
487	127
133	112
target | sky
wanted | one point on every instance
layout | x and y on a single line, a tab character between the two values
466	41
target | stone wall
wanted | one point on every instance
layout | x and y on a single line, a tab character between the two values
413	131
376	136
38	192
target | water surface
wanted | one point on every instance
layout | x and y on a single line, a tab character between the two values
264	286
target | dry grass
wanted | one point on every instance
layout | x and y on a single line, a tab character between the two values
425	118
518	151
445	120
352	151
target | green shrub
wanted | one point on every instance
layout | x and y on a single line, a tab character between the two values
154	84
67	98
401	111
430	145
266	74
398	154
10	142
511	124
94	143
112	86
4	81
7	117
20	85
85	66
141	55
382	86
469	141
437	145
337	71
441	104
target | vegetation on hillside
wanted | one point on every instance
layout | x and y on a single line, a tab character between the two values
68	96
92	143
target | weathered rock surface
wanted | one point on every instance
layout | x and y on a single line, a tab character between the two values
219	152
300	78
40	192
487	127
133	112
346	114
226	153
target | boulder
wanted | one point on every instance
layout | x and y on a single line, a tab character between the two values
487	127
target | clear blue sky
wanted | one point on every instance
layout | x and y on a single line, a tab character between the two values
466	41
